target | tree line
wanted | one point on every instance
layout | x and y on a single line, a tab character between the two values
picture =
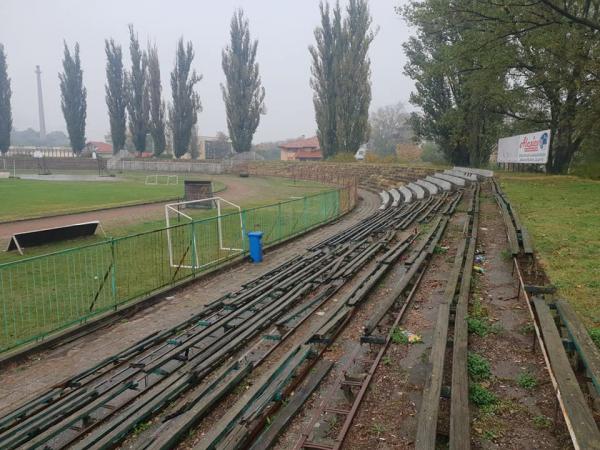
490	68
134	95
482	70
340	79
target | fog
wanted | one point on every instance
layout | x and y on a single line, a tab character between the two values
32	32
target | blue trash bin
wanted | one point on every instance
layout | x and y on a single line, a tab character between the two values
254	238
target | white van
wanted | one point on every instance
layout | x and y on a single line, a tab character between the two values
360	153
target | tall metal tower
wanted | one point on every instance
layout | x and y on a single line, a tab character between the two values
38	73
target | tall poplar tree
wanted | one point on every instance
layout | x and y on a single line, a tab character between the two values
354	78
325	61
341	72
5	108
115	94
157	105
137	93
243	92
183	112
73	98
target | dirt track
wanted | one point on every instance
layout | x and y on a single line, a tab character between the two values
24	380
110	216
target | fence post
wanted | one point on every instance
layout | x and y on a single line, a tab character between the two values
193	245
113	280
279	221
244	233
304	216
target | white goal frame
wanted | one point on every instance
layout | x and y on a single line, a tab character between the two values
168	179
175	208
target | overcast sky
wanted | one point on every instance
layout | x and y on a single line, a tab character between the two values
33	30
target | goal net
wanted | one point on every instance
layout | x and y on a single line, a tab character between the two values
161	179
194	243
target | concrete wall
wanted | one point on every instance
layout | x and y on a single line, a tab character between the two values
30	163
167	166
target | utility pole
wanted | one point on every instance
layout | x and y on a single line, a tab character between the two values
38	73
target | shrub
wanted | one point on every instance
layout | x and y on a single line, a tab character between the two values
481	396
478	367
526	380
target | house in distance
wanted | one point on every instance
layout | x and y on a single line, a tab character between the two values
301	150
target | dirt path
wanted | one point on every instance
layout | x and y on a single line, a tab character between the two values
524	414
21	382
107	217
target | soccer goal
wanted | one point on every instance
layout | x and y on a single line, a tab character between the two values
189	248
161	179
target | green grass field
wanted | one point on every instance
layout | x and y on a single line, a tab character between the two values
22	199
562	214
261	191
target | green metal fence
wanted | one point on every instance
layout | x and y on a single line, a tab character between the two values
47	293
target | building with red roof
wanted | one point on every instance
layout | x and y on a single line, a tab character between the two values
101	148
301	150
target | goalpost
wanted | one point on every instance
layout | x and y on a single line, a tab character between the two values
174	210
161	179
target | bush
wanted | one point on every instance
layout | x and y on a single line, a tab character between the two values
526	381
478	326
433	154
478	367
481	396
342	157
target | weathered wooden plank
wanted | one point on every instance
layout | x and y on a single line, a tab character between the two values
170	433
230	430
460	429
526	240
511	232
578	415
289	411
430	403
588	351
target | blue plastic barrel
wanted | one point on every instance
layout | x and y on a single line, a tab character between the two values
254	237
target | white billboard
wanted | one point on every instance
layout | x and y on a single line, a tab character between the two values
531	148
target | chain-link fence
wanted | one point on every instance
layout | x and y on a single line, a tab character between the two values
47	293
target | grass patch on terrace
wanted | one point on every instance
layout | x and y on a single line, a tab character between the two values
562	214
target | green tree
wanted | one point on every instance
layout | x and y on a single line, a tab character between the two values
183	112
458	88
486	69
5	108
341	77
389	127
243	92
354	78
73	98
137	93
325	64
115	94
157	105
